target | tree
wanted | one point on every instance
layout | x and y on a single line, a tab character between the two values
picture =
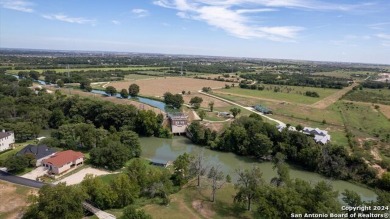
211	106
16	164
126	190
235	111
174	100
85	83
261	145
131	213
99	193
111	154
351	198
25	83
146	123
215	175
130	139
198	166
54	201
196	101
299	127
181	169
57	118
385	181
110	90
249	181
60	83
133	90
124	93
202	114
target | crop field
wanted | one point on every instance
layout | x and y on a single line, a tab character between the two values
380	96
61	70
206	100
293	94
157	87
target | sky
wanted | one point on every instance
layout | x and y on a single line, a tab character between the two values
319	30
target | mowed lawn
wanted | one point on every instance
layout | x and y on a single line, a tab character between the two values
293	94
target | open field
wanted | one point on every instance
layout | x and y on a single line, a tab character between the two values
206	100
157	87
13	199
110	99
292	94
345	74
329	100
380	96
192	202
60	70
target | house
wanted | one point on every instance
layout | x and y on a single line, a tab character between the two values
7	140
225	114
179	122
280	128
40	152
63	161
320	136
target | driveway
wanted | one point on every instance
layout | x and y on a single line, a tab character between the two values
76	178
19	180
34	174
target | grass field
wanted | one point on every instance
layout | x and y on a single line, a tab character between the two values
295	95
380	96
138	77
60	70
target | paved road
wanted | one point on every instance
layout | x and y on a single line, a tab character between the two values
19	180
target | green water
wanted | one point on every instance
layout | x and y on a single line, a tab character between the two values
169	149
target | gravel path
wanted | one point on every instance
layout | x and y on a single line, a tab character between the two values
79	176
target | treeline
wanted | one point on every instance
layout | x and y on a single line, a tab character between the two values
298	80
250	136
375	85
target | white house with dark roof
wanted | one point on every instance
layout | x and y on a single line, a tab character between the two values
320	136
7	139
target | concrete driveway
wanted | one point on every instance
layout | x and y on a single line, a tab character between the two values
34	174
77	177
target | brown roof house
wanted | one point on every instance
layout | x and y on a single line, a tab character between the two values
63	161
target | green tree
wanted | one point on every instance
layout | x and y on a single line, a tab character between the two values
16	164
385	181
351	198
261	145
248	182
60	83
99	193
181	169
126	190
110	154
110	90
131	213
25	83
196	101
57	118
201	114
54	201
211	106
216	176
235	111
133	90
130	139
124	93
175	100
299	127
146	123
85	83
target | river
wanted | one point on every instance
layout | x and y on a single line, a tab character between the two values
169	149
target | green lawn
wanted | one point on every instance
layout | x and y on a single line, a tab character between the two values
292	94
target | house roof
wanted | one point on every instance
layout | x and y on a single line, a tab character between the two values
39	151
177	116
64	157
4	134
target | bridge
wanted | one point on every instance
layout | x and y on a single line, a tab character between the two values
35	184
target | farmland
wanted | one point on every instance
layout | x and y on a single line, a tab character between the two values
64	70
380	96
157	87
291	94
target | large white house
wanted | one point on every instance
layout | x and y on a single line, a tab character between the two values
320	136
7	139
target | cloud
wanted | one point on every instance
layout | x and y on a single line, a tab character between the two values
384	36
116	22
232	17
18	5
140	12
379	26
66	18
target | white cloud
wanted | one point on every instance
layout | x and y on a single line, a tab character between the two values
384	36
236	22
140	12
18	5
66	18
116	22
